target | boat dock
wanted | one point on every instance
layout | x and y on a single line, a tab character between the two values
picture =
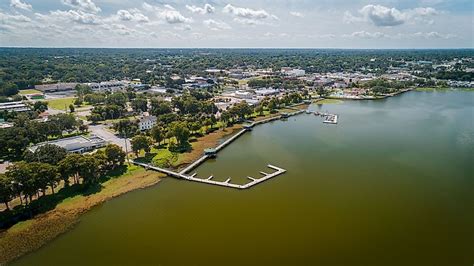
328	118
227	183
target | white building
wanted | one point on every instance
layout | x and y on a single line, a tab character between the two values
293	72
147	122
14	107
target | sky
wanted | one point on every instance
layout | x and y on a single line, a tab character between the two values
247	24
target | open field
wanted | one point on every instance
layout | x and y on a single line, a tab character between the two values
61	104
31	91
329	101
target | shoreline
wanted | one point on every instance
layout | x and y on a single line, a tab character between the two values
30	235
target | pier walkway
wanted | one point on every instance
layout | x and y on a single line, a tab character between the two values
254	181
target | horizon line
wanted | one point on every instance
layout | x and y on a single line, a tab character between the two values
262	48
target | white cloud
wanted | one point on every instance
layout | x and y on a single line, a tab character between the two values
9	18
247	13
173	16
417	35
296	14
170	7
382	16
131	15
248	16
21	5
77	16
207	9
216	25
433	35
84	5
365	35
148	7
168	14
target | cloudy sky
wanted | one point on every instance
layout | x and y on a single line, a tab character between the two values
229	23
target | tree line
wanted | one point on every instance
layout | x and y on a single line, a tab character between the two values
46	167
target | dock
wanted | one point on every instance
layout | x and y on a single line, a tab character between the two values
328	118
254	181
227	183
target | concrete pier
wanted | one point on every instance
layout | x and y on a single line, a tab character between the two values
254	181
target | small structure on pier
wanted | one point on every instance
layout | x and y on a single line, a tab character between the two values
284	115
248	127
210	152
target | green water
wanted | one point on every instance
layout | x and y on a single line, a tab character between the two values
391	184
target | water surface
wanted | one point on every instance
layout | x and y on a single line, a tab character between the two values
391	184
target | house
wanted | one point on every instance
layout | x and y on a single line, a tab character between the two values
147	122
77	144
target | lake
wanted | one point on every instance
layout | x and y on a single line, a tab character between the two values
391	184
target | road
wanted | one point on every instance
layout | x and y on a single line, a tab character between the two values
103	132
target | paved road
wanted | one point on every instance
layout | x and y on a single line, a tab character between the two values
103	132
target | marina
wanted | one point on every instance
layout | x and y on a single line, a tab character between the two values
328	117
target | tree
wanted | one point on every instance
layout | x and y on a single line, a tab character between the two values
118	98
157	134
44	175
181	132
159	107
83	128
139	143
48	153
322	92
259	110
40	106
115	155
22	176
63	121
126	128
70	167
8	89
140	104
89	169
82	90
6	190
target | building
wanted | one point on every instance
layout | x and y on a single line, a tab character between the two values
147	122
267	92
58	87
4	124
77	144
112	85
14	107
290	72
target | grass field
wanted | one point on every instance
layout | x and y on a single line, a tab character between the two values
61	104
329	101
26	92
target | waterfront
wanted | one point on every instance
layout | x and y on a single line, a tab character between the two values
390	184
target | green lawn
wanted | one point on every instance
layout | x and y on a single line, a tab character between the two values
61	104
26	92
329	101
